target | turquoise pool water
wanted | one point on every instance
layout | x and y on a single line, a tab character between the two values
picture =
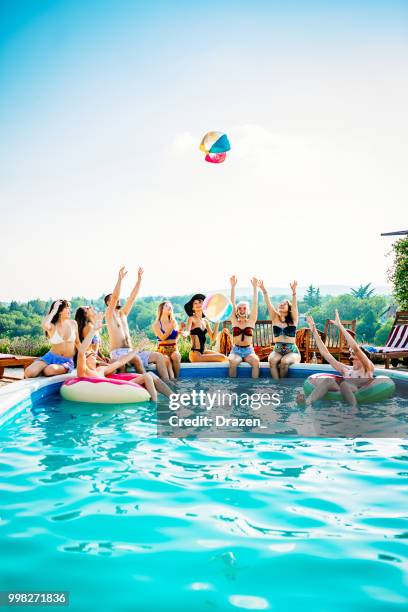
94	504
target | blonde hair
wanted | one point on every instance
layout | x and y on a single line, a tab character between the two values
248	308
160	311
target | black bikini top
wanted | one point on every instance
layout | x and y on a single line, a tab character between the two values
201	334
289	330
238	331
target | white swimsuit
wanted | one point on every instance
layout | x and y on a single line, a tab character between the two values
57	339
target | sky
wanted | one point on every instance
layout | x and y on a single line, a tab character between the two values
103	106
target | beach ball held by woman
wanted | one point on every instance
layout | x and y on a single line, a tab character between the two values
217	307
215	145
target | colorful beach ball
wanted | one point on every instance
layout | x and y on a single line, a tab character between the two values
217	307
215	145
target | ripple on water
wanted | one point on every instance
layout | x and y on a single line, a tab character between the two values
223	524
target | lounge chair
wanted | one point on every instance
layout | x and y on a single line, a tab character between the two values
14	361
396	347
307	344
335	341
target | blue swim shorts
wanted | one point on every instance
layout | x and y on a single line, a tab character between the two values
242	351
51	358
144	356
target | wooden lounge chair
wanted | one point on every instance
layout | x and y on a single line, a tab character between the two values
307	344
335	341
263	338
396	347
14	361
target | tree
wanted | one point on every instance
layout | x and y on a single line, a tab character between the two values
398	273
362	292
368	326
382	333
312	297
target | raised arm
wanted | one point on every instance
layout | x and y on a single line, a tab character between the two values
82	368
254	307
353	344
323	349
295	313
271	309
133	294
116	293
233	281
46	322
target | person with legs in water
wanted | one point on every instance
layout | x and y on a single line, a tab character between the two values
243	321
167	330
118	329
284	320
355	377
87	364
198	327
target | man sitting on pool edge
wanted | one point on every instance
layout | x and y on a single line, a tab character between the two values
118	329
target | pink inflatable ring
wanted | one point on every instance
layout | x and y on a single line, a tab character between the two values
117	389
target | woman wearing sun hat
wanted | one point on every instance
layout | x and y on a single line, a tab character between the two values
198	327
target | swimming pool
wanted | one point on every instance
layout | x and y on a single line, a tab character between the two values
95	504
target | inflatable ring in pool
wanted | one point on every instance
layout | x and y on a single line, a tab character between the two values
383	389
117	389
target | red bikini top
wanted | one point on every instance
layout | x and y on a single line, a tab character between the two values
247	331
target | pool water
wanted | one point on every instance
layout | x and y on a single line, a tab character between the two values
93	503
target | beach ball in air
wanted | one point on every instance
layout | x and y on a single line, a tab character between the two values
217	307
215	145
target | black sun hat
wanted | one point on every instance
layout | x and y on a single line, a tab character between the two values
189	306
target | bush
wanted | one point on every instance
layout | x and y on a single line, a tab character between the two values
33	347
382	334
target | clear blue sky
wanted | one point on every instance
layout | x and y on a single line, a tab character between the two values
102	108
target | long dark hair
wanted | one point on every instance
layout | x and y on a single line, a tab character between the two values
81	318
55	318
288	317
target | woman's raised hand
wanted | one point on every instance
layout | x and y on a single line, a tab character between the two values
57	305
261	285
311	322
293	286
337	320
233	280
122	273
254	282
98	321
140	274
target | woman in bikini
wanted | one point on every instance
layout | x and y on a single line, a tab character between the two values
243	320
198	327
62	333
85	316
284	320
166	329
360	374
87	364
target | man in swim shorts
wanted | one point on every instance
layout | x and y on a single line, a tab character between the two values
118	329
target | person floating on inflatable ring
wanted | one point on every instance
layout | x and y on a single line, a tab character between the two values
87	365
360	374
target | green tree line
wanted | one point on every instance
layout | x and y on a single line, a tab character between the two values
21	321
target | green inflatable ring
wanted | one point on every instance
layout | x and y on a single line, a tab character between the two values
382	390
